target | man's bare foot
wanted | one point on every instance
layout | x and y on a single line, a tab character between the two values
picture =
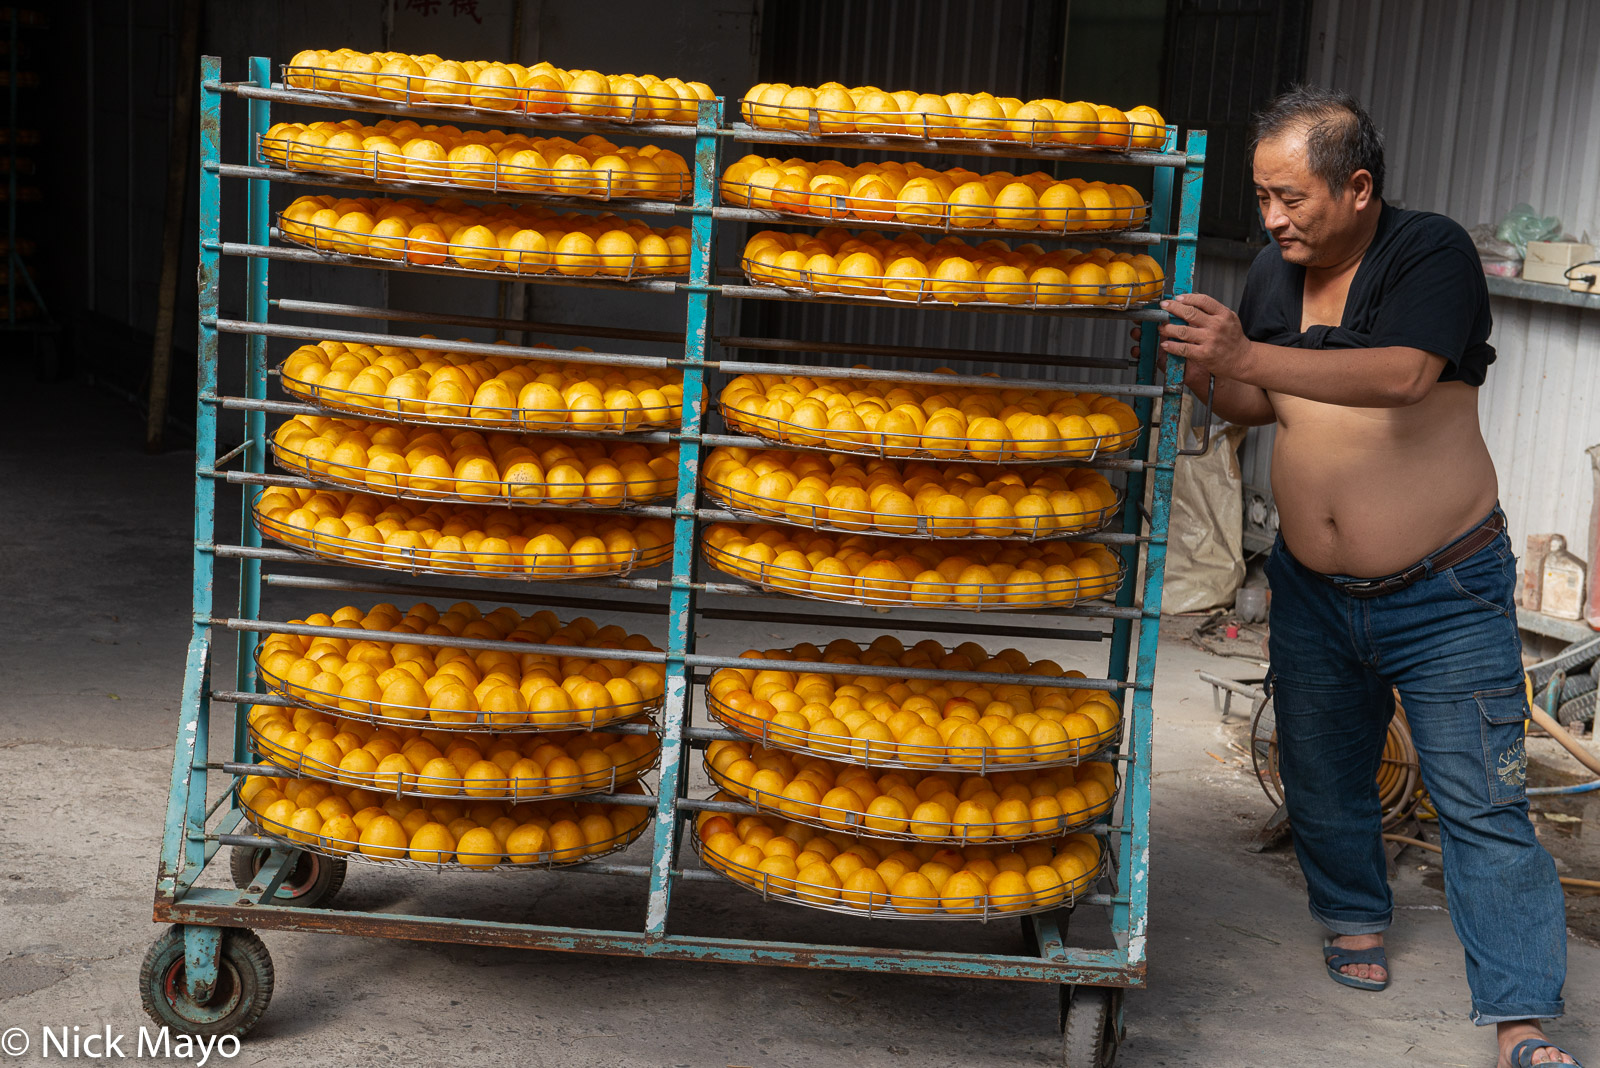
1371	972
1518	1030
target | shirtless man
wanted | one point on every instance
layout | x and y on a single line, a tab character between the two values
1363	333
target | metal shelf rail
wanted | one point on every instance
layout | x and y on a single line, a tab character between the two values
206	975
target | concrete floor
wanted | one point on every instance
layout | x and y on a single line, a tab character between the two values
94	563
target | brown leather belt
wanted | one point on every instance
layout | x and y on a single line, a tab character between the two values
1463	547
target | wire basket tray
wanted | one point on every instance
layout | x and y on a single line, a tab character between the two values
493	176
419	560
804	206
470	98
1042	134
894	291
875	753
862	824
513	788
877	905
790	435
468	416
825	517
388	714
601	496
432	858
1045	593
366	248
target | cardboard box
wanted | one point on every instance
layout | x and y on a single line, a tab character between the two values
1547	261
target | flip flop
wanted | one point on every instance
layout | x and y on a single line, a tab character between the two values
1336	958
1522	1052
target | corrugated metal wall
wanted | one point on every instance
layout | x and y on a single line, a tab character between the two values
1485	104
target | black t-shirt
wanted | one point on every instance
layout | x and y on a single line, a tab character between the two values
1419	285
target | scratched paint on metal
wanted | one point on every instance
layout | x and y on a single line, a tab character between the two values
681	601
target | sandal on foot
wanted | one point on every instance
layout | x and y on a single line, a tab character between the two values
1336	958
1522	1052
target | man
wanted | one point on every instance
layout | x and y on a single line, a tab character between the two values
1363	333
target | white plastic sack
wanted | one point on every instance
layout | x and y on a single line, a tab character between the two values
1205	538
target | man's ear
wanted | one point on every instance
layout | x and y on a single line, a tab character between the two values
1361	185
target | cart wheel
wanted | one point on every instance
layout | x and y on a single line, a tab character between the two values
312	882
243	990
1093	1028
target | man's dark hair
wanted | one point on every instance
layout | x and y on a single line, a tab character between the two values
1340	136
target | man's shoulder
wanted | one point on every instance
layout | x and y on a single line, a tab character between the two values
1424	231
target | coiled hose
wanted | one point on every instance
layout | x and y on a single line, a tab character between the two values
1399	773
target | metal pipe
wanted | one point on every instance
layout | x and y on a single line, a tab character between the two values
299	255
325	179
249	404
650	656
397	315
646	656
473	348
290	556
235	697
982	678
743	132
235	451
744	441
726	588
452	114
310	582
738	808
925	626
750	292
922	626
930	378
1079	237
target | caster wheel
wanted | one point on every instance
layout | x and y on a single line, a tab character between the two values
1093	1026
313	880
243	990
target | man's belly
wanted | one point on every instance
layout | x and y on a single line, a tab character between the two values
1370	491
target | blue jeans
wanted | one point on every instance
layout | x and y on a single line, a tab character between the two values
1449	644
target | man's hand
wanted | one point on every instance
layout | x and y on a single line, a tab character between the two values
1209	337
1196	377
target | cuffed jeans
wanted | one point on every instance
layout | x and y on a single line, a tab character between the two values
1449	644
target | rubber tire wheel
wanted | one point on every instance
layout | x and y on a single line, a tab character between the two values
314	880
1578	710
243	990
1091	1037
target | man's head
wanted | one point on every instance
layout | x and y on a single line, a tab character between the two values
1318	163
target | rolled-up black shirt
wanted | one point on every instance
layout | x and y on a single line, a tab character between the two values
1420	285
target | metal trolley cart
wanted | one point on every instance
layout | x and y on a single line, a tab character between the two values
210	973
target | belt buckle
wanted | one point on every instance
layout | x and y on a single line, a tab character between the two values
1391	584
1368	588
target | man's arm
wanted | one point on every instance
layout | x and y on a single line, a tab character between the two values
1237	402
1213	342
